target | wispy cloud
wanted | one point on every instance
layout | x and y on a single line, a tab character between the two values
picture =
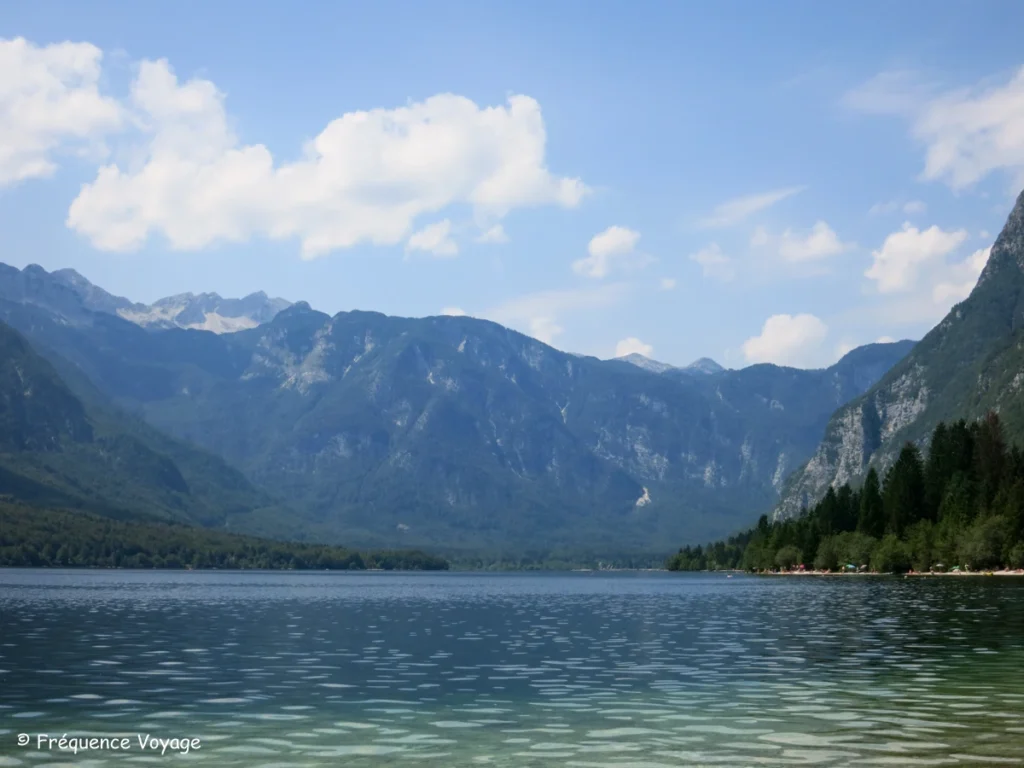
967	133
734	211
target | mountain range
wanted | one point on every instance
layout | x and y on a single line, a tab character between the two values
972	362
65	290
445	431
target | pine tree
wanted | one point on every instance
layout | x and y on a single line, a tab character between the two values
938	469
903	497
828	513
871	517
847	503
989	458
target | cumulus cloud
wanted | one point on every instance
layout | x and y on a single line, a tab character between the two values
667	283
435	238
795	247
959	279
612	248
794	340
453	312
367	177
967	133
736	210
633	346
50	102
920	275
885	340
896	265
714	263
540	314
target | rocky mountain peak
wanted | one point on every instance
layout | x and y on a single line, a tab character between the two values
69	293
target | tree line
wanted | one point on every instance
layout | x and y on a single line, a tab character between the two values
35	537
962	506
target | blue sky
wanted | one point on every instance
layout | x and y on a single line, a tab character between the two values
747	181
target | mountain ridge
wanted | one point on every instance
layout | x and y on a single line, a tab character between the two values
459	432
701	365
68	291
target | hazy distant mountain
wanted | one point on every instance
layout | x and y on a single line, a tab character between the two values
207	312
67	292
58	449
970	363
703	365
457	432
645	362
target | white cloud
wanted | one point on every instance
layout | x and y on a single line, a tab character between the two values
819	243
49	101
435	238
667	283
794	340
453	312
921	294
615	246
959	279
889	93
495	234
365	178
633	346
539	314
714	263
897	263
967	133
736	210
885	340
794	247
844	349
908	207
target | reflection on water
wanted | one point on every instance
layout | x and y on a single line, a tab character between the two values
597	670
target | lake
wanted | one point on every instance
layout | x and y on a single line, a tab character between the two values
567	669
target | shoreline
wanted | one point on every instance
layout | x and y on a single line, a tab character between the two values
908	574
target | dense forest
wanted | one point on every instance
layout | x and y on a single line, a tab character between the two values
31	536
962	506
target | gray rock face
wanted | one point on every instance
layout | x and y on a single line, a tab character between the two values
969	363
67	292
